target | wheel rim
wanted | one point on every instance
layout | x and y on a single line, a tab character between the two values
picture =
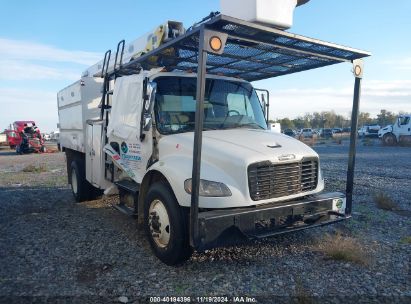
159	223
74	185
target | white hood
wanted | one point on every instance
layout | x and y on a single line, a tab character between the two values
242	145
226	155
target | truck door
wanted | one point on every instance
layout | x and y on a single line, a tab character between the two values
129	130
94	164
404	125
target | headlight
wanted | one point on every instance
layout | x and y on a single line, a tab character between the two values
208	188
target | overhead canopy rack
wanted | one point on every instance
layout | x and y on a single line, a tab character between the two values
252	52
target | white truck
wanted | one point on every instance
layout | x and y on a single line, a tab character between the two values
398	133
179	131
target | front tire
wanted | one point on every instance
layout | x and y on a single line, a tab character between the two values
389	139
165	224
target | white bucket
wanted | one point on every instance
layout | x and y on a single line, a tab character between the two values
275	13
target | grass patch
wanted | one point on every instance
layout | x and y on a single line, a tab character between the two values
35	169
180	288
406	240
302	295
341	248
385	202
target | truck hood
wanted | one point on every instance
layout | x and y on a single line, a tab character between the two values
241	146
226	156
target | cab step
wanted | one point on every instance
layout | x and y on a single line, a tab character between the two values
128	185
128	191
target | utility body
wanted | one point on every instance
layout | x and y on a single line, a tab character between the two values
183	137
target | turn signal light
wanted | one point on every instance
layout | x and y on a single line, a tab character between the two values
357	70
215	43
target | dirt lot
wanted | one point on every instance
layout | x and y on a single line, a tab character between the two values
52	249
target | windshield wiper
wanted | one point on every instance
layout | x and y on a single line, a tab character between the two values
251	124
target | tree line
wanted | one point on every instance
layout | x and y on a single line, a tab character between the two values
330	119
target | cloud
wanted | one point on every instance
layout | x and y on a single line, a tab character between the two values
26	104
32	51
400	64
392	95
22	70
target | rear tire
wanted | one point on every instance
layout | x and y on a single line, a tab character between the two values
165	224
389	139
79	184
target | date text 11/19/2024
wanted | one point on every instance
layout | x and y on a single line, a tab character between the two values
203	299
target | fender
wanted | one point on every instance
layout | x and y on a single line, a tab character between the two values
177	168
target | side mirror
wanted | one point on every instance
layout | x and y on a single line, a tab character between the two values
399	122
265	104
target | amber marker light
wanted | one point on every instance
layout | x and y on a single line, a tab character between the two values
215	43
357	70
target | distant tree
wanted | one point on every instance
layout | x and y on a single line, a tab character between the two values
299	122
317	120
286	123
364	119
308	120
385	118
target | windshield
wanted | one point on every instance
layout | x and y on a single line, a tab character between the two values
227	105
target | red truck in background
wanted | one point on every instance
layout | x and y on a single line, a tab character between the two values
25	137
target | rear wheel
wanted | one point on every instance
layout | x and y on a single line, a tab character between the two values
79	185
389	139
165	223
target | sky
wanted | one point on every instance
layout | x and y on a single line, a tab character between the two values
45	45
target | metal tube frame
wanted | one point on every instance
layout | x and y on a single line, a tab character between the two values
353	144
198	138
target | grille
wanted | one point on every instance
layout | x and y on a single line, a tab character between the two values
267	180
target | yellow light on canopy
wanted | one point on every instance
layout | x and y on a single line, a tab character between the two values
357	70
215	43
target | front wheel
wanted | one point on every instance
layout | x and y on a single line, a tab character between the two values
165	223
389	139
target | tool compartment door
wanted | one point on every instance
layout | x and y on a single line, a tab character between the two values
94	157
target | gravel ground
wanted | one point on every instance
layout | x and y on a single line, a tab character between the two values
54	250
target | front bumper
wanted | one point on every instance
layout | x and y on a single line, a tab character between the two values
226	227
